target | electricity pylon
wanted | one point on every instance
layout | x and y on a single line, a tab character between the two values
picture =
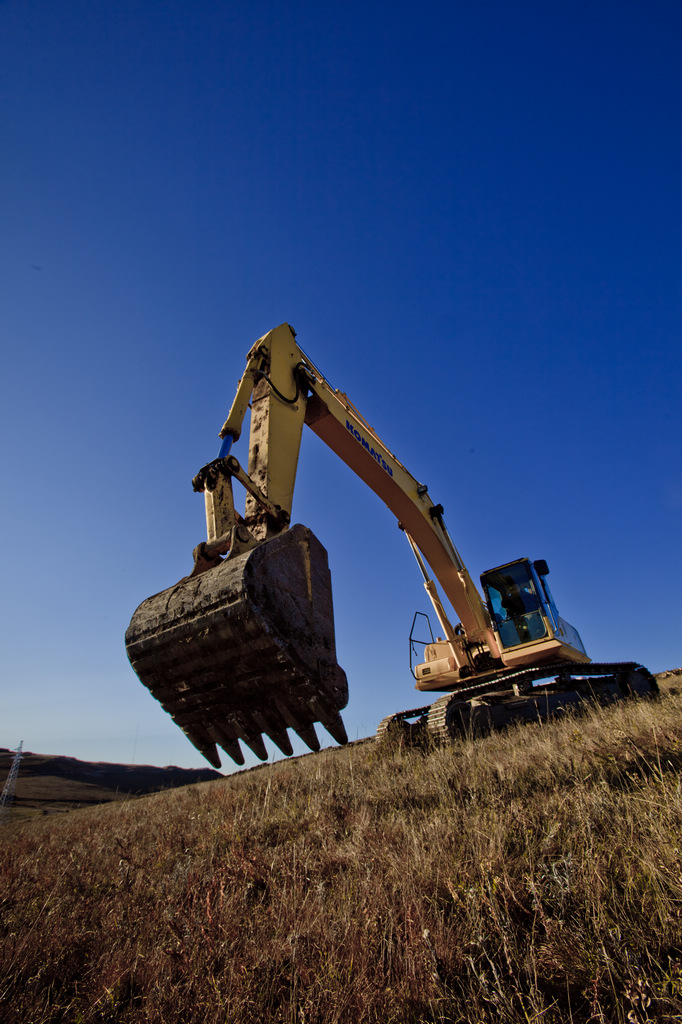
10	784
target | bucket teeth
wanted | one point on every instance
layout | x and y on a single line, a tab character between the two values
282	741
233	750
256	744
211	754
309	736
330	718
274	727
337	730
288	717
200	739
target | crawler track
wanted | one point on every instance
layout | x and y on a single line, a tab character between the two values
517	695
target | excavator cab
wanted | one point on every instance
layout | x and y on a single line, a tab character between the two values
524	615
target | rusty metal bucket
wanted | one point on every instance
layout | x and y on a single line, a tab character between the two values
246	649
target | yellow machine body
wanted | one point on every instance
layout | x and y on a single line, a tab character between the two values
245	647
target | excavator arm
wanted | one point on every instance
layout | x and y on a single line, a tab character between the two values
287	391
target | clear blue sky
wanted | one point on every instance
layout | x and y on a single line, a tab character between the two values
471	214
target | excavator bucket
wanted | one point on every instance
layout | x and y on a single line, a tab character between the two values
246	649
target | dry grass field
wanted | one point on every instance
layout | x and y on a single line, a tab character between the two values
533	876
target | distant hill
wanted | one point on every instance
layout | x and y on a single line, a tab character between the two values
48	783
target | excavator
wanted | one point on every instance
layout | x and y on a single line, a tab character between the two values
244	647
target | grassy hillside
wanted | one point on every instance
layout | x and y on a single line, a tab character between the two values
532	876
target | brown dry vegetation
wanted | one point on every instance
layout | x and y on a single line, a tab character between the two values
532	876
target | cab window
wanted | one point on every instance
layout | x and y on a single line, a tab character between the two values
514	604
